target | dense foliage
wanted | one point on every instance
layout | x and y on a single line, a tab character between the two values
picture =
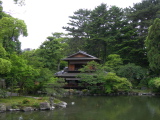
26	72
153	46
154	84
132	72
98	80
126	41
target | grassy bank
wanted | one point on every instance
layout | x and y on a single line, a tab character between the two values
141	91
21	101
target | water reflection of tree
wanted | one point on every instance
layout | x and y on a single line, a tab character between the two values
115	108
154	107
141	108
110	108
98	108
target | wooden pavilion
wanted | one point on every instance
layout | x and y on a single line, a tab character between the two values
75	62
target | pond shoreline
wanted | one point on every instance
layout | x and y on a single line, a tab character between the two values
42	107
30	103
122	107
80	93
46	105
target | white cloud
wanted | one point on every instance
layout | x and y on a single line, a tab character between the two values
45	17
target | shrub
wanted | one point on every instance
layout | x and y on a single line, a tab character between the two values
3	93
154	83
15	105
84	91
132	72
36	105
26	101
113	83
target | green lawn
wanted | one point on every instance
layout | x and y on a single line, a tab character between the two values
20	101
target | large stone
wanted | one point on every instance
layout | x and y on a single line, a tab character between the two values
51	100
8	108
2	107
61	104
45	106
26	109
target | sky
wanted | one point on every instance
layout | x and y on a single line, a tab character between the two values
44	17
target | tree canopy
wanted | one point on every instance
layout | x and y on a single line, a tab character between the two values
126	40
153	46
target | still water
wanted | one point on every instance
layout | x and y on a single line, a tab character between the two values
96	108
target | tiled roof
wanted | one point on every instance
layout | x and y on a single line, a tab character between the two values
66	74
89	57
82	52
82	58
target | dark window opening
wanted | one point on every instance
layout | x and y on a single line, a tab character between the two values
78	66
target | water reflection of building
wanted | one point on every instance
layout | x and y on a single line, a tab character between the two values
75	62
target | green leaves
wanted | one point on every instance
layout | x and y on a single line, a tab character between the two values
2	51
52	51
113	83
1	9
5	66
152	44
132	72
154	83
97	79
114	62
10	29
21	74
54	87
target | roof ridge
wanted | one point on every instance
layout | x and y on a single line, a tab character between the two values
83	52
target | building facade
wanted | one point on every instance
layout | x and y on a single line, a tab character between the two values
75	62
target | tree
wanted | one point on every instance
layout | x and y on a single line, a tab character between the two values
21	75
153	46
5	65
53	87
141	17
96	79
96	31
19	2
103	28
154	83
143	14
114	83
132	72
5	68
45	76
92	76
2	51
77	29
1	9
11	29
114	62
52	51
126	44
33	58
27	81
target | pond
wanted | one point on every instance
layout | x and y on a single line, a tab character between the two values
96	108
